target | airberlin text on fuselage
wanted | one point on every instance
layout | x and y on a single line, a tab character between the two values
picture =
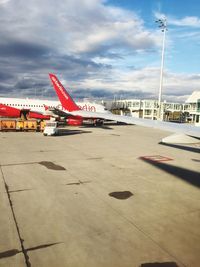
60	87
85	107
88	108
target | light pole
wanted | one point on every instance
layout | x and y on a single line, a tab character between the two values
162	23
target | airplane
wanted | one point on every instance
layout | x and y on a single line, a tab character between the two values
184	133
39	109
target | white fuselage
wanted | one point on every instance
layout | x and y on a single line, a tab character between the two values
36	105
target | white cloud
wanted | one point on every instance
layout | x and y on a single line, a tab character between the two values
4	1
175	86
75	26
187	21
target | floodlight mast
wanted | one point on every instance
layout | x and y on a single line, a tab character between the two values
162	23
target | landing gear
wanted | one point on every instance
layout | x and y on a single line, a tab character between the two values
98	123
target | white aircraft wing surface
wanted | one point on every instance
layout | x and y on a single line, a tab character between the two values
162	125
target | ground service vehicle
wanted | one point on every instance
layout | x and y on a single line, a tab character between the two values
50	128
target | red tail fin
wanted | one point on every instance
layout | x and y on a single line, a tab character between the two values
66	101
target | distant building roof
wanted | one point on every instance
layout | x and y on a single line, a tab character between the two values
194	97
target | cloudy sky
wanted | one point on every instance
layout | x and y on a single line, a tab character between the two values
99	48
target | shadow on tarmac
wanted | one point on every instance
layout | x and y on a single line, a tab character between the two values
187	148
13	252
158	264
62	132
104	127
191	177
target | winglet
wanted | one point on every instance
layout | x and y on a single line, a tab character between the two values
66	100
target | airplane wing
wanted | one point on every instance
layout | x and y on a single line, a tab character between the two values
59	112
162	125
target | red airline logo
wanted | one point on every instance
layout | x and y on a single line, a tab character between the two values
59	87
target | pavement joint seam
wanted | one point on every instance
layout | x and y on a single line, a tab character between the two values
26	257
15	164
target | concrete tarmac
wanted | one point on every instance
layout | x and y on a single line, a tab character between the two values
98	197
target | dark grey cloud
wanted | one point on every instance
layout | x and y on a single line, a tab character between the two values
30	83
25	66
4	76
19	49
110	95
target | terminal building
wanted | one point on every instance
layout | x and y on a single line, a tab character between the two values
192	106
177	112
